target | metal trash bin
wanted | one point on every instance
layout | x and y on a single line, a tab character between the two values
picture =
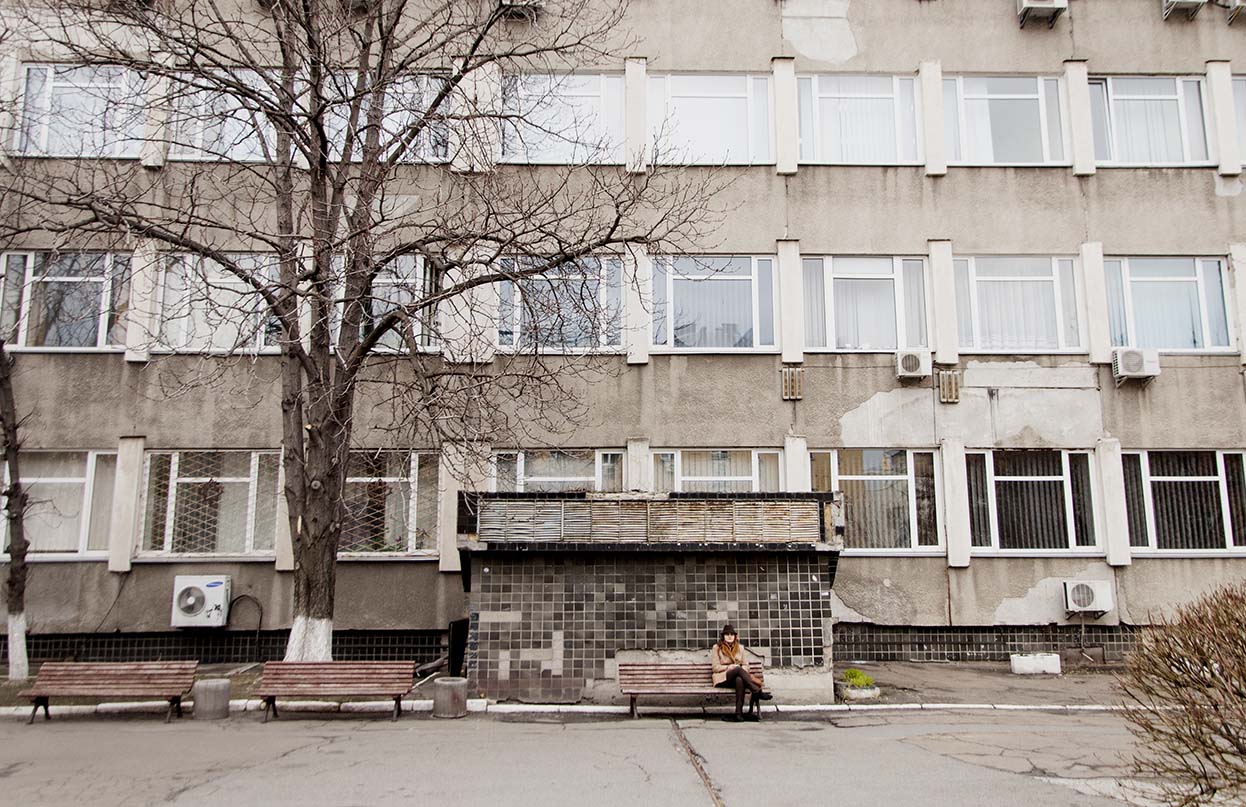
450	697
211	698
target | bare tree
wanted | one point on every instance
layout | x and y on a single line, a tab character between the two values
15	503
321	174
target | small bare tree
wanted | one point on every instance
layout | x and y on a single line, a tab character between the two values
15	501
1187	678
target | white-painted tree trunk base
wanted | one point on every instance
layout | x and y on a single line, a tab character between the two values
19	664
310	640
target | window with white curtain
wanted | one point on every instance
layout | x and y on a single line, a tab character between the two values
205	308
865	120
562	119
1004	120
864	303
69	495
1239	102
558	470
576	306
390	503
890	495
706	119
1167	303
212	124
65	300
1024	304
717	471
713	303
1185	501
81	111
1148	120
1031	500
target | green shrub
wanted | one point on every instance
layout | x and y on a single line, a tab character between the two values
855	678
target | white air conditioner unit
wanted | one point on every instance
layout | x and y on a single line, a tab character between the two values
912	364
1087	596
1134	363
1187	7
1049	10
200	601
521	9
1235	8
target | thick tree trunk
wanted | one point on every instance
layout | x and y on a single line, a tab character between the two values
15	512
315	560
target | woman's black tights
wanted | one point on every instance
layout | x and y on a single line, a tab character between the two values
743	681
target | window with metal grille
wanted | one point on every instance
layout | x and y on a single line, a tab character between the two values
718	471
69	501
391	503
1185	501
1031	500
211	502
890	495
65	300
552	470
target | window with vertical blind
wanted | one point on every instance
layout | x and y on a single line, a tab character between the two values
556	470
717	471
1167	303
1025	304
864	303
862	120
1186	501
69	495
573	307
1148	120
703	119
1004	120
890	495
1031	500
569	119
714	303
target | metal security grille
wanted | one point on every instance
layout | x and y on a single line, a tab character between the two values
390	503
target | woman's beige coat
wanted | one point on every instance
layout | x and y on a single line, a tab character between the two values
720	662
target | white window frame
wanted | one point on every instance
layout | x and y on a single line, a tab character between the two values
814	126
193	151
556	87
1078	298
913	548
122	149
754	480
611	266
1127	282
23	317
419	280
1066	479
956	150
1152	547
903	342
413	508
1179	80
257	346
668	261
659	126
87	480
521	478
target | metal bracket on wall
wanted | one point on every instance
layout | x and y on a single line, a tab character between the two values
949	385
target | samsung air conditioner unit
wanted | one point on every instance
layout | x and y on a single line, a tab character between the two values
1134	363
912	364
1187	7
200	601
1087	596
1235	8
1049	10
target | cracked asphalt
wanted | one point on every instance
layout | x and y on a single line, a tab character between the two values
928	759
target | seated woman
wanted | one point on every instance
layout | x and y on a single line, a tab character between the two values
730	670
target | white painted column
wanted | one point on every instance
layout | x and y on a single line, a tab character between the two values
637	299
796	471
457	470
283	545
469	320
946	333
476	145
1112	520
155	125
930	85
1237	271
10	91
639	472
786	115
1098	324
636	115
143	318
956	530
125	526
791	302
1223	118
1081	124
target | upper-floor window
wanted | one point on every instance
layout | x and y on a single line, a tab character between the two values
65	299
1239	102
69	495
409	131
390	502
717	471
1031	500
710	119
864	303
890	495
866	120
206	124
558	470
81	111
1008	120
206	308
1185	500
1020	304
401	284
1167	303
1148	120
562	119
713	303
573	307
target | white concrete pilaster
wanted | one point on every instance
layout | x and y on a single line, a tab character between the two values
786	115
638	475
930	85
956	529
637	299
476	145
1113	517
1237	271
1222	118
283	544
143	318
796	470
1081	124
636	115
156	122
458	469
791	302
125	525
469	321
946	334
10	91
1098	331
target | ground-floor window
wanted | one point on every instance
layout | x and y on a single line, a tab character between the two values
559	470
390	503
1031	500
69	501
717	471
890	495
1186	500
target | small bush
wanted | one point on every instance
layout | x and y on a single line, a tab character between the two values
855	678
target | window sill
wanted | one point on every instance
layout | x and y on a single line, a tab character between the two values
677	351
1153	554
171	558
1082	552
1010	165
559	163
111	349
95	556
1206	351
604	350
1200	165
830	164
964	351
419	555
925	552
881	351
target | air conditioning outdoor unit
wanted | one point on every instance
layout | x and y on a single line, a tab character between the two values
200	601
1087	596
912	364
1235	8
1187	7
1134	363
1049	10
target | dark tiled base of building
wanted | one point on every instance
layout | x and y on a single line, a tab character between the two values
226	646
865	642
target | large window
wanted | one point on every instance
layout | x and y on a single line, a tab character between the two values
72	111
211	502
573	307
215	125
1008	120
559	470
69	495
1148	120
1186	500
890	495
562	119
866	120
1017	304
717	471
407	101
709	303
1167	303
204	308
1031	500
66	299
860	303
710	119
391	503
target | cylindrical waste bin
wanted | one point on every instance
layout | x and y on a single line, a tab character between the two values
211	698
450	697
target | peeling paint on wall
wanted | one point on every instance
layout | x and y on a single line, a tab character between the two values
897	417
1043	603
844	613
819	29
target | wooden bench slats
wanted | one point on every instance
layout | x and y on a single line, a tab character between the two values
334	679
169	680
676	678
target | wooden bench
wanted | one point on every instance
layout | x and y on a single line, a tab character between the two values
678	678
334	680
167	680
